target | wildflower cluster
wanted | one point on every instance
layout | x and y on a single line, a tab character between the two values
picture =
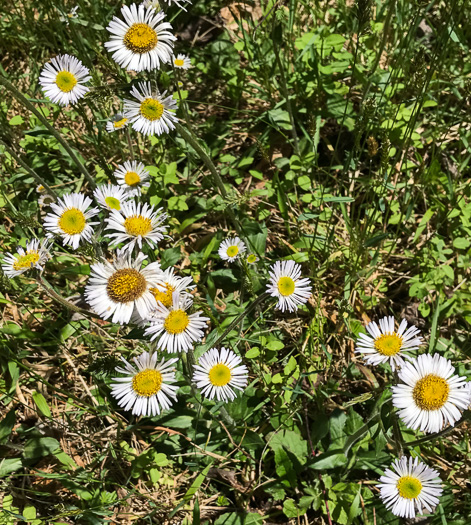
429	397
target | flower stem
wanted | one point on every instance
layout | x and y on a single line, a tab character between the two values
23	164
19	96
62	300
193	141
128	137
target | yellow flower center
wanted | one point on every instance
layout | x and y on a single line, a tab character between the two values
164	297
120	123
232	251
252	258
66	81
388	344
409	487
147	383
151	109
26	261
179	62
140	38
113	203
72	221
220	375
286	286
431	392
132	178
126	285
138	225
176	322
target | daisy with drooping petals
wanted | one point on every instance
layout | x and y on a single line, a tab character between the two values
168	283
153	114
143	41
111	197
286	285
35	256
135	223
177	330
133	176
385	345
118	122
218	373
147	388
252	258
231	248
62	80
152	3
181	61
411	485
122	287
432	396
69	219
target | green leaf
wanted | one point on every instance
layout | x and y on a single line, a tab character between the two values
329	460
40	447
9	465
16	120
252	353
6	425
461	243
41	403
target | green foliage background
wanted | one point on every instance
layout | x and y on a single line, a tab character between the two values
342	133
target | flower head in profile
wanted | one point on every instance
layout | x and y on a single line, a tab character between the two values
70	219
231	249
63	79
218	373
431	396
135	223
143	41
120	288
385	344
181	61
118	122
153	113
132	176
34	256
111	197
411	485
287	285
146	388
177	330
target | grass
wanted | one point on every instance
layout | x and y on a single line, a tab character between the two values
336	134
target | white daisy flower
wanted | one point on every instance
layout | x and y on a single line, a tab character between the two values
40	189
69	219
177	330
122	287
45	200
168	283
118	122
286	285
181	61
411	485
218	372
432	396
231	248
62	80
252	258
152	3
385	345
135	223
153	114
111	197
143	41
133	176
34	256
147	388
